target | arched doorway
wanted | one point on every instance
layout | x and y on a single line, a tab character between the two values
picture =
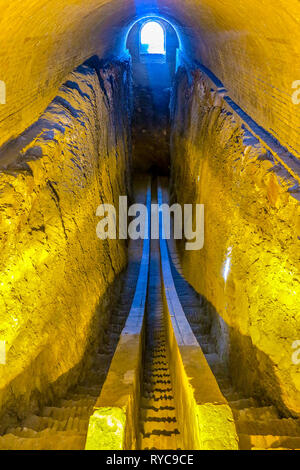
152	38
152	43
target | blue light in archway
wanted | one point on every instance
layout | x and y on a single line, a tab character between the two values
152	38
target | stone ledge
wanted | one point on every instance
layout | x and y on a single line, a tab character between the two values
203	414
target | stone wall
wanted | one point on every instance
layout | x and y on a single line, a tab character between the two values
252	46
57	279
248	269
152	80
151	129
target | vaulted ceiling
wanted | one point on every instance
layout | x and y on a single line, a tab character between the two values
251	45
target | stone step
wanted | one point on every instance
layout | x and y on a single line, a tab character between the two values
208	348
159	427
268	442
65	413
224	382
200	329
216	364
39	423
243	403
88	390
205	339
101	361
79	396
263	413
194	312
31	433
160	442
44	441
150	414
83	402
231	395
273	427
96	378
160	389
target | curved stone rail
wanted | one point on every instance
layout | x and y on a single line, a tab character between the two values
114	423
289	160
203	414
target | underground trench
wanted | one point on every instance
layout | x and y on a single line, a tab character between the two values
173	383
214	364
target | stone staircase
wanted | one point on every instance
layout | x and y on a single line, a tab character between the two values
259	427
64	424
59	427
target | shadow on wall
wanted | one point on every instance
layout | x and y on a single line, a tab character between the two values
231	354
152	78
51	392
52	181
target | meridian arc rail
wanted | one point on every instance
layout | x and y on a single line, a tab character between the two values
160	392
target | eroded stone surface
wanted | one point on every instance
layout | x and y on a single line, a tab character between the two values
56	275
249	266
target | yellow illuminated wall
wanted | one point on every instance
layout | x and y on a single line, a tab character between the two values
56	276
249	266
